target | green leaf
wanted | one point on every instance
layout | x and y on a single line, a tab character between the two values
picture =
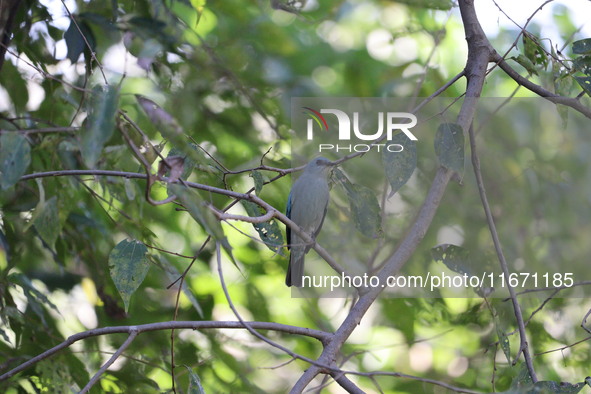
523	379
365	209
36	300
533	51
269	232
393	308
75	41
4	336
128	266
199	210
459	260
504	342
150	50
173	274
549	387
170	129
258	181
130	189
4	251
585	83
526	63
432	4
399	166
15	156
449	146
454	257
12	80
195	386
46	221
582	47
583	64
100	124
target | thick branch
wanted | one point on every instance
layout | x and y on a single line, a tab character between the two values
526	83
195	325
8	9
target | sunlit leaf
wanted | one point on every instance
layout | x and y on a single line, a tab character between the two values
4	251
449	146
399	166
128	266
15	156
100	124
585	83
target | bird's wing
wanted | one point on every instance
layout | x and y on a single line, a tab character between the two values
288	214
319	226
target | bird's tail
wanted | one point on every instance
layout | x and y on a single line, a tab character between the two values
295	269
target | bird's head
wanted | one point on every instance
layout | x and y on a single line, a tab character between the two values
319	165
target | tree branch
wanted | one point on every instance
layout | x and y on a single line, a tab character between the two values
170	325
110	361
526	83
523	346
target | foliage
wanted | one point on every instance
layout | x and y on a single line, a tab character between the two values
166	114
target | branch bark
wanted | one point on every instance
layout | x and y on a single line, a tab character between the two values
8	9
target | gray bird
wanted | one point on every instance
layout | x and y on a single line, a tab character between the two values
306	206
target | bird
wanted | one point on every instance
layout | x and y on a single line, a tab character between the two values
306	206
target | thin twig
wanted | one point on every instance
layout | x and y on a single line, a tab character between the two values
564	347
247	325
133	333
43	130
439	91
523	347
90	49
